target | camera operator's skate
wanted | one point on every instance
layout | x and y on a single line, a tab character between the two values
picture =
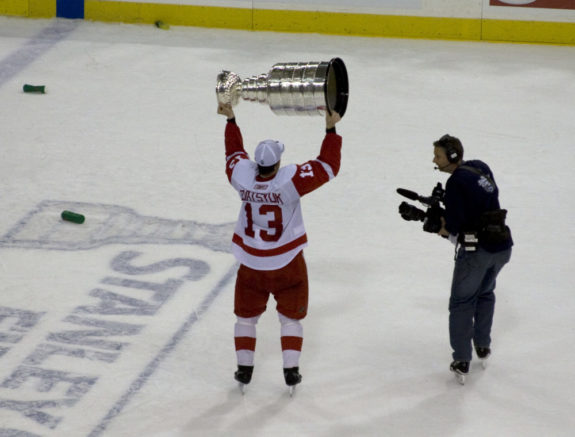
460	369
483	354
243	375
292	378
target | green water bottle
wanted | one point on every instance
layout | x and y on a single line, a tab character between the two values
73	217
39	89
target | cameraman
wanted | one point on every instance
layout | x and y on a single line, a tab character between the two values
474	222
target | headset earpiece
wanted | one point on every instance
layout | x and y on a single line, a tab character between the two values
452	155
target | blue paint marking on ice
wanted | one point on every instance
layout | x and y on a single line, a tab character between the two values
153	365
34	48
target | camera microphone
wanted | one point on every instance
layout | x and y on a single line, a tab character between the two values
407	193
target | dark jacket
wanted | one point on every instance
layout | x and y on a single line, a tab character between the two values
467	196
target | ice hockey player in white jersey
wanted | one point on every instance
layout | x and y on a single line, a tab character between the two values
269	239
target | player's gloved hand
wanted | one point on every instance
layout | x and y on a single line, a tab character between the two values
226	109
331	119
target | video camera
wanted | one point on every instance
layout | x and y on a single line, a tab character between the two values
431	218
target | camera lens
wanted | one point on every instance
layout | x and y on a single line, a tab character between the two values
410	212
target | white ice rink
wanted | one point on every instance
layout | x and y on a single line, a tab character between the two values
123	326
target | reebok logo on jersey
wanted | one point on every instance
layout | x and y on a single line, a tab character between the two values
260	186
250	196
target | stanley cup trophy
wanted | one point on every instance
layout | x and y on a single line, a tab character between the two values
291	88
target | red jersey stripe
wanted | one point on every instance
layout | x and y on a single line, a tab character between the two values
269	252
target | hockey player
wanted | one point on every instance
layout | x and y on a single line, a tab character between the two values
269	239
474	222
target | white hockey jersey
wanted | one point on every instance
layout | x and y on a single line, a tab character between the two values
270	230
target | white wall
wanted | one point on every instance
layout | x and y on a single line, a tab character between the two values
427	8
430	8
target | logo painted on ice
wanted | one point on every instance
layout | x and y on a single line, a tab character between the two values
42	228
38	393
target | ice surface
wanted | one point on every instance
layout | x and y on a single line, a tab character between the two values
131	333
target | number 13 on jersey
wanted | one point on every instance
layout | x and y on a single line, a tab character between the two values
273	229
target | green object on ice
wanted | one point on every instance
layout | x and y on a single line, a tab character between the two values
73	217
161	25
39	89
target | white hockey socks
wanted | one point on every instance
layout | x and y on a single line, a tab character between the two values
245	340
291	340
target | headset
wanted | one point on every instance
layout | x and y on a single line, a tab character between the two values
453	155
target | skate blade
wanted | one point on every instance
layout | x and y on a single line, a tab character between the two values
242	388
460	377
483	363
292	390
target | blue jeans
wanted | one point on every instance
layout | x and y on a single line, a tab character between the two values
472	300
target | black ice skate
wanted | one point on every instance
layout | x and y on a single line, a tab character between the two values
461	369
292	378
483	353
243	375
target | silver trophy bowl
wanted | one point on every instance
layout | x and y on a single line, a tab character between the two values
291	88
